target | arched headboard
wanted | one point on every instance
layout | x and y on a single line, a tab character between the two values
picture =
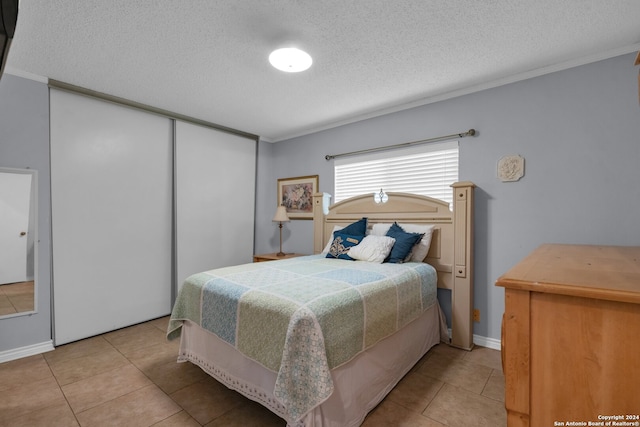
451	251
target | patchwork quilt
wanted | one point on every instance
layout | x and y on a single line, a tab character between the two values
301	317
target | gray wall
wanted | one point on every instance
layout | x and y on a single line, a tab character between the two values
24	143
578	130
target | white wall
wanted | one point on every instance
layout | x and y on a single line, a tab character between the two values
578	131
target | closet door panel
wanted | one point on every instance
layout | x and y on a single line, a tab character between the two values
111	179
215	199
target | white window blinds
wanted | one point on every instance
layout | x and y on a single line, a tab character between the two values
427	169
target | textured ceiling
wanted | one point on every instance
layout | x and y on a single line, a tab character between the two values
208	59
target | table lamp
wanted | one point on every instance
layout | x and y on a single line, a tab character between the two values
280	217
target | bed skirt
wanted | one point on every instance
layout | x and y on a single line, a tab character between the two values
359	385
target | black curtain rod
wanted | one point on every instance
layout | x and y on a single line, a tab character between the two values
470	132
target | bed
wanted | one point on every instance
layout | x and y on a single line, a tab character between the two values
321	341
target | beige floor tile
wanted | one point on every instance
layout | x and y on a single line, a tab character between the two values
391	414
174	376
68	371
454	406
456	371
415	391
141	408
181	419
23	371
22	302
447	351
77	349
130	377
162	323
58	415
95	390
17	288
441	349
133	338
33	396
5	306
418	363
206	400
486	357
147	358
495	386
248	414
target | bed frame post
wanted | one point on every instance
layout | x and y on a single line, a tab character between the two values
318	223
462	293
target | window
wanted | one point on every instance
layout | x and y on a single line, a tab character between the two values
427	169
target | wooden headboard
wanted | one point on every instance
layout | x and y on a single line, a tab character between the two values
451	251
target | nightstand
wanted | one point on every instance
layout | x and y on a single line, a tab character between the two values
273	257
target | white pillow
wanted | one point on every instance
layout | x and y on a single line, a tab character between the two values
372	249
420	250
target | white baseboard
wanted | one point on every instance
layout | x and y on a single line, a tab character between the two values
486	342
483	341
30	350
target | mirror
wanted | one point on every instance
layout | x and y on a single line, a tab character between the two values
18	238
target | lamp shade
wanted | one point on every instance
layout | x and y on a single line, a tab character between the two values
281	215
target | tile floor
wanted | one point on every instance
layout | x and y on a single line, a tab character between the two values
129	377
16	297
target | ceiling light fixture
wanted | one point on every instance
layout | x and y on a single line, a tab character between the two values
290	59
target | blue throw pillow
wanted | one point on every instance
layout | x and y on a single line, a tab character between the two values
403	245
341	243
358	228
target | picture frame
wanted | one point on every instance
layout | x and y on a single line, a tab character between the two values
296	194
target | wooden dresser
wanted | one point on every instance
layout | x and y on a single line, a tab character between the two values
571	336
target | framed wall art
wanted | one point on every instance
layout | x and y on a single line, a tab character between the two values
296	194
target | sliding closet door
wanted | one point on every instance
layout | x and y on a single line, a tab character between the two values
215	199
111	179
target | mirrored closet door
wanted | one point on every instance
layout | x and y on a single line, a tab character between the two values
17	241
